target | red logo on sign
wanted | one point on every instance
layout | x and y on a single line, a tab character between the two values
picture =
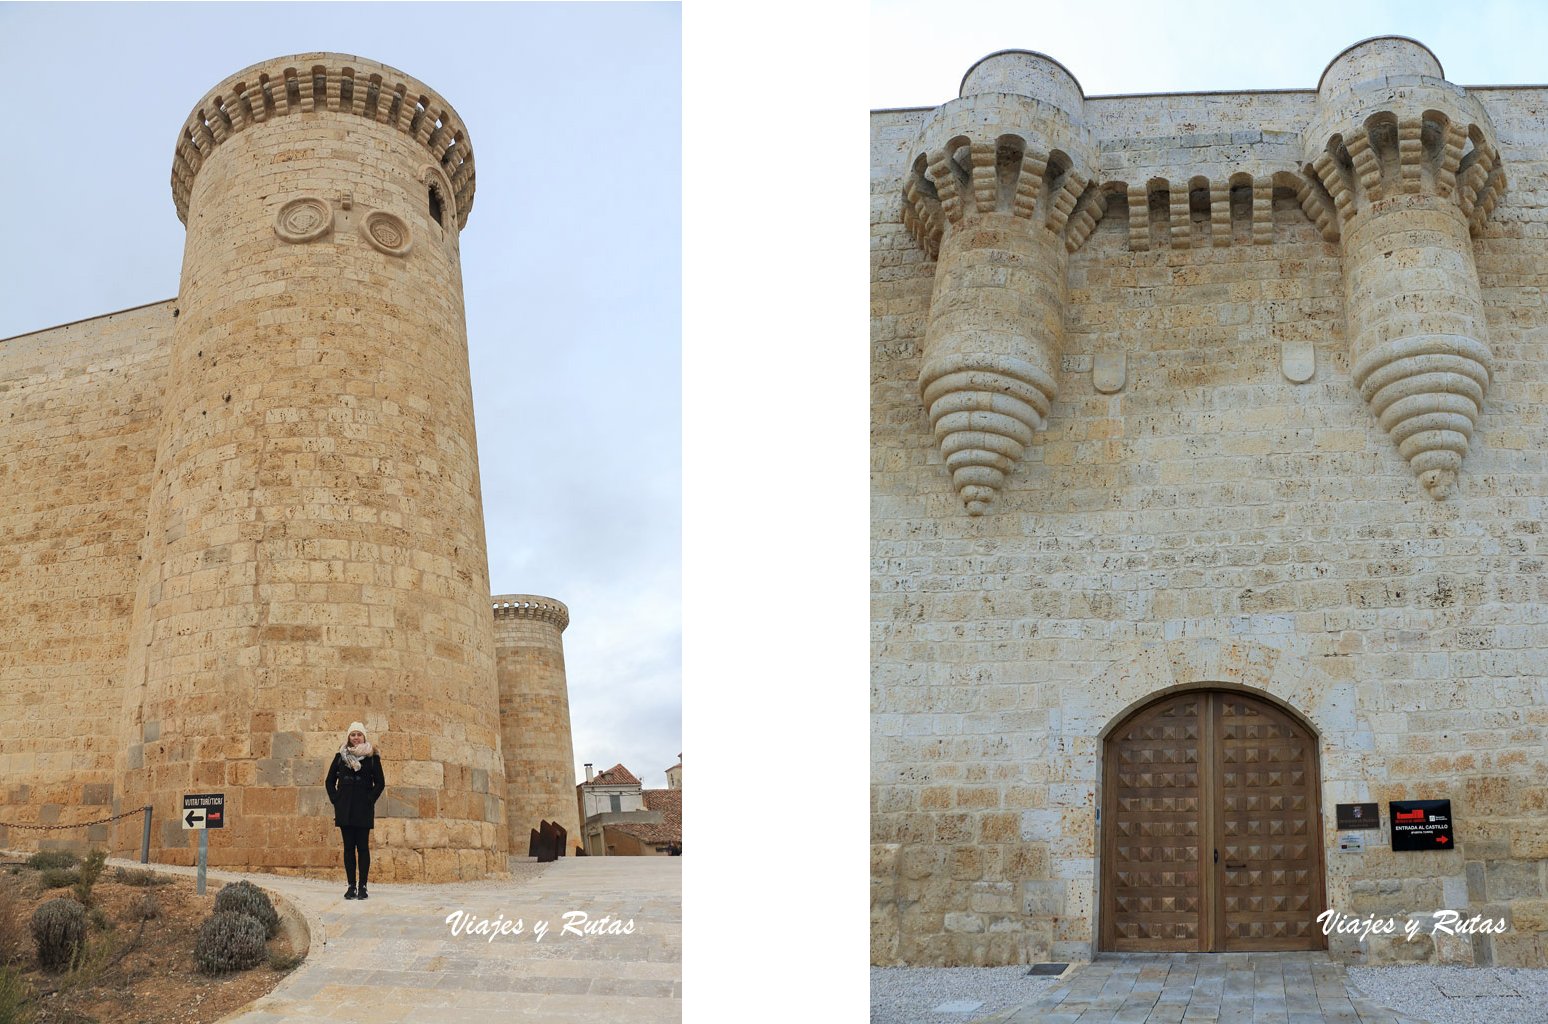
1414	815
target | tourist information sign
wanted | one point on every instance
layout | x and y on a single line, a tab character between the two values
204	811
1421	824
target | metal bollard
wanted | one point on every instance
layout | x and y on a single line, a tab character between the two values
145	839
204	854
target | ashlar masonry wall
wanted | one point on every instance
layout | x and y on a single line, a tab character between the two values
1209	500
80	406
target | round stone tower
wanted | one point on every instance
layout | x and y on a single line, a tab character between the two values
995	178
535	716
315	549
1410	163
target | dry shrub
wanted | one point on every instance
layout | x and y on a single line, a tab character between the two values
90	870
15	942
145	907
139	876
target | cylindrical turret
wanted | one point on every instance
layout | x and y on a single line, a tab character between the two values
997	174
315	551
1410	163
535	716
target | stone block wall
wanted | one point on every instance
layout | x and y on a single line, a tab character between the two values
80	406
1207	521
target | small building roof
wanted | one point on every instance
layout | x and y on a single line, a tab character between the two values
669	802
617	775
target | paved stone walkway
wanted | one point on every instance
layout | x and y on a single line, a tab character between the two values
1195	988
393	959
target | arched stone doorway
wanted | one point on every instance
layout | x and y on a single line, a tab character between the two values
1211	837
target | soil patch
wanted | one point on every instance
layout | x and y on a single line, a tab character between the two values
156	980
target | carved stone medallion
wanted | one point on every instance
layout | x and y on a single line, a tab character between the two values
303	220
387	233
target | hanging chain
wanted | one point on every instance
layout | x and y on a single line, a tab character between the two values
79	824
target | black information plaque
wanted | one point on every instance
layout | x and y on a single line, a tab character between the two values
1351	816
204	810
1421	824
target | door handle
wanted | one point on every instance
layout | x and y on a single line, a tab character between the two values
1217	856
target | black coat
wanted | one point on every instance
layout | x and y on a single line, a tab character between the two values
354	794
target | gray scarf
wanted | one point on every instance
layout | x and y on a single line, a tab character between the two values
352	755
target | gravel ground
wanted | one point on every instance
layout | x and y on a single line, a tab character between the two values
909	995
1437	995
1458	995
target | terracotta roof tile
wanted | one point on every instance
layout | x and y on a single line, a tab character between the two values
670	830
617	775
651	834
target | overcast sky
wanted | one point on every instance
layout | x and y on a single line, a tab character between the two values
918	58
570	260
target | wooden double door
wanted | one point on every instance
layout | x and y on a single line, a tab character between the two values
1210	828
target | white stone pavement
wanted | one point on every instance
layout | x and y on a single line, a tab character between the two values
393	957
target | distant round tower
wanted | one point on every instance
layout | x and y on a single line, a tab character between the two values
315	551
535	716
1411	165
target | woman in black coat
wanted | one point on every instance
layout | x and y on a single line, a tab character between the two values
354	784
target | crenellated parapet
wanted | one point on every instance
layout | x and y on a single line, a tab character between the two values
957	177
1000	192
1389	124
326	82
530	606
997	150
1408	166
1199	188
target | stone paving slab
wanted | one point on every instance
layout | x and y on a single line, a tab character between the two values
1203	988
393	959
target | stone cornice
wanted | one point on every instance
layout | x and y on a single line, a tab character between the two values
530	606
337	82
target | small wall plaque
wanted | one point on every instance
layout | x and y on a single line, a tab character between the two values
1357	816
1351	842
1421	824
1298	361
1108	372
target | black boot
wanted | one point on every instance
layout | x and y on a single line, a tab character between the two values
362	894
349	893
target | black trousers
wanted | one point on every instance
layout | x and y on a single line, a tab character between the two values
357	845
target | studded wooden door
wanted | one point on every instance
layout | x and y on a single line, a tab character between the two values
1210	828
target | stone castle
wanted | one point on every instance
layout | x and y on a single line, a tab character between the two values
1210	464
234	521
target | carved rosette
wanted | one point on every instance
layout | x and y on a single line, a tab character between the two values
303	220
1408	163
386	233
1000	193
